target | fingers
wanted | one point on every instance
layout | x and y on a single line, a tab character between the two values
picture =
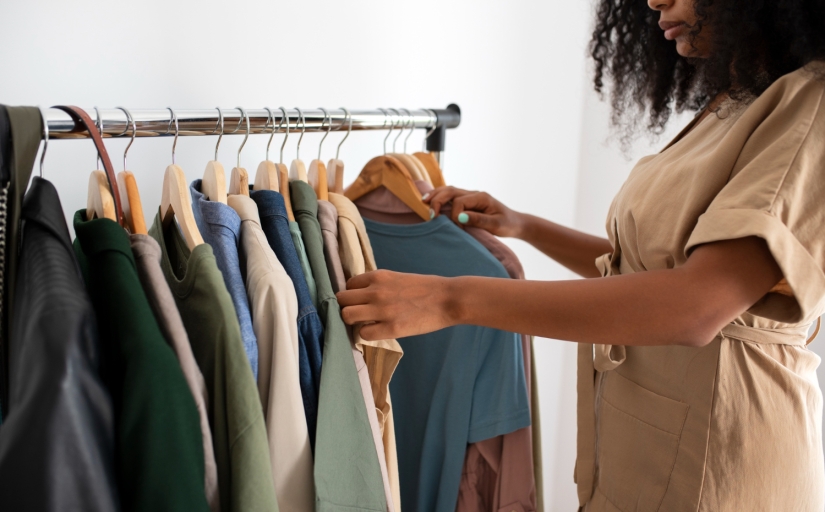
376	331
361	280
353	297
441	196
477	220
473	210
361	314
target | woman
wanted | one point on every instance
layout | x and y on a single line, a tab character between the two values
696	390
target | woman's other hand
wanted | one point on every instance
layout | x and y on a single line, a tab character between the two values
394	305
477	209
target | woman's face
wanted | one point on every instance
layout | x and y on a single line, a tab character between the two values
676	19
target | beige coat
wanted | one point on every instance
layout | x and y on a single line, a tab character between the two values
735	425
274	308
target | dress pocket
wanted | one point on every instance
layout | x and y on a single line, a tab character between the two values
637	443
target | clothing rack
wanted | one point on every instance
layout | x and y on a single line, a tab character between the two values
160	122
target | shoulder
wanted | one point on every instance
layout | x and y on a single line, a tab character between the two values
800	91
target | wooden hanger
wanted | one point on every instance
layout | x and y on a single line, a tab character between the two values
213	185
317	174
100	204
388	172
317	178
297	169
99	200
266	177
335	176
407	160
272	176
239	179
175	200
102	199
132	206
335	167
433	169
176	203
129	193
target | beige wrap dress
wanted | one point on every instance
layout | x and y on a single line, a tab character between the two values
735	425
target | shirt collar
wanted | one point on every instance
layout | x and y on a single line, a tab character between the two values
245	207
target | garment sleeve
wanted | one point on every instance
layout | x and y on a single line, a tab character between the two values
776	192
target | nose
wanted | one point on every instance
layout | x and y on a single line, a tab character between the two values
659	5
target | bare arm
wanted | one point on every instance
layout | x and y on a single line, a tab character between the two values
688	305
574	249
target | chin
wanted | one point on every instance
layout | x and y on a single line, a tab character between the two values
684	49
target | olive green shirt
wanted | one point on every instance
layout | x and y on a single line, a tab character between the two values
347	472
235	414
295	233
159	461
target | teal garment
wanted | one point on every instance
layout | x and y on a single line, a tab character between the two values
159	463
455	386
347	472
297	239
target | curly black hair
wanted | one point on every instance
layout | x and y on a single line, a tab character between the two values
752	43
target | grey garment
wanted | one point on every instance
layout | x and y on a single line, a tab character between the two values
328	218
148	256
295	232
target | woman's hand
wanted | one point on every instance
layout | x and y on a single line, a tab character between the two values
477	209
394	305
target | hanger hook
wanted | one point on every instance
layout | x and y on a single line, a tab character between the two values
45	137
219	123
243	115
430	131
329	127
129	121
284	116
348	115
401	131
303	129
272	134
386	117
412	128
173	118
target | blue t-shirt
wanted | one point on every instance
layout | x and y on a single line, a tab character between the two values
455	386
220	227
275	224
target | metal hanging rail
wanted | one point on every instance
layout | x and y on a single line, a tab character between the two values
158	122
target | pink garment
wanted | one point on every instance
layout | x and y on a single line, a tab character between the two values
498	473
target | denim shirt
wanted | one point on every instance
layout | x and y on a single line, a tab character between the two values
220	227
275	225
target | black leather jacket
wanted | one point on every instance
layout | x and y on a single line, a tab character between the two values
57	439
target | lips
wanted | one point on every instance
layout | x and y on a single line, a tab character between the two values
673	29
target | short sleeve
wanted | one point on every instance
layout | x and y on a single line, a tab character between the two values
500	403
777	192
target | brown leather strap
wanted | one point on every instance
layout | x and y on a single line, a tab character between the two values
83	122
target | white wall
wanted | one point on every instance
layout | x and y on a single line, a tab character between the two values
515	69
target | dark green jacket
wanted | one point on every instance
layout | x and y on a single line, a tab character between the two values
347	473
158	450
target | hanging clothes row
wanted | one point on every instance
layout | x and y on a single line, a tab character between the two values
200	362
